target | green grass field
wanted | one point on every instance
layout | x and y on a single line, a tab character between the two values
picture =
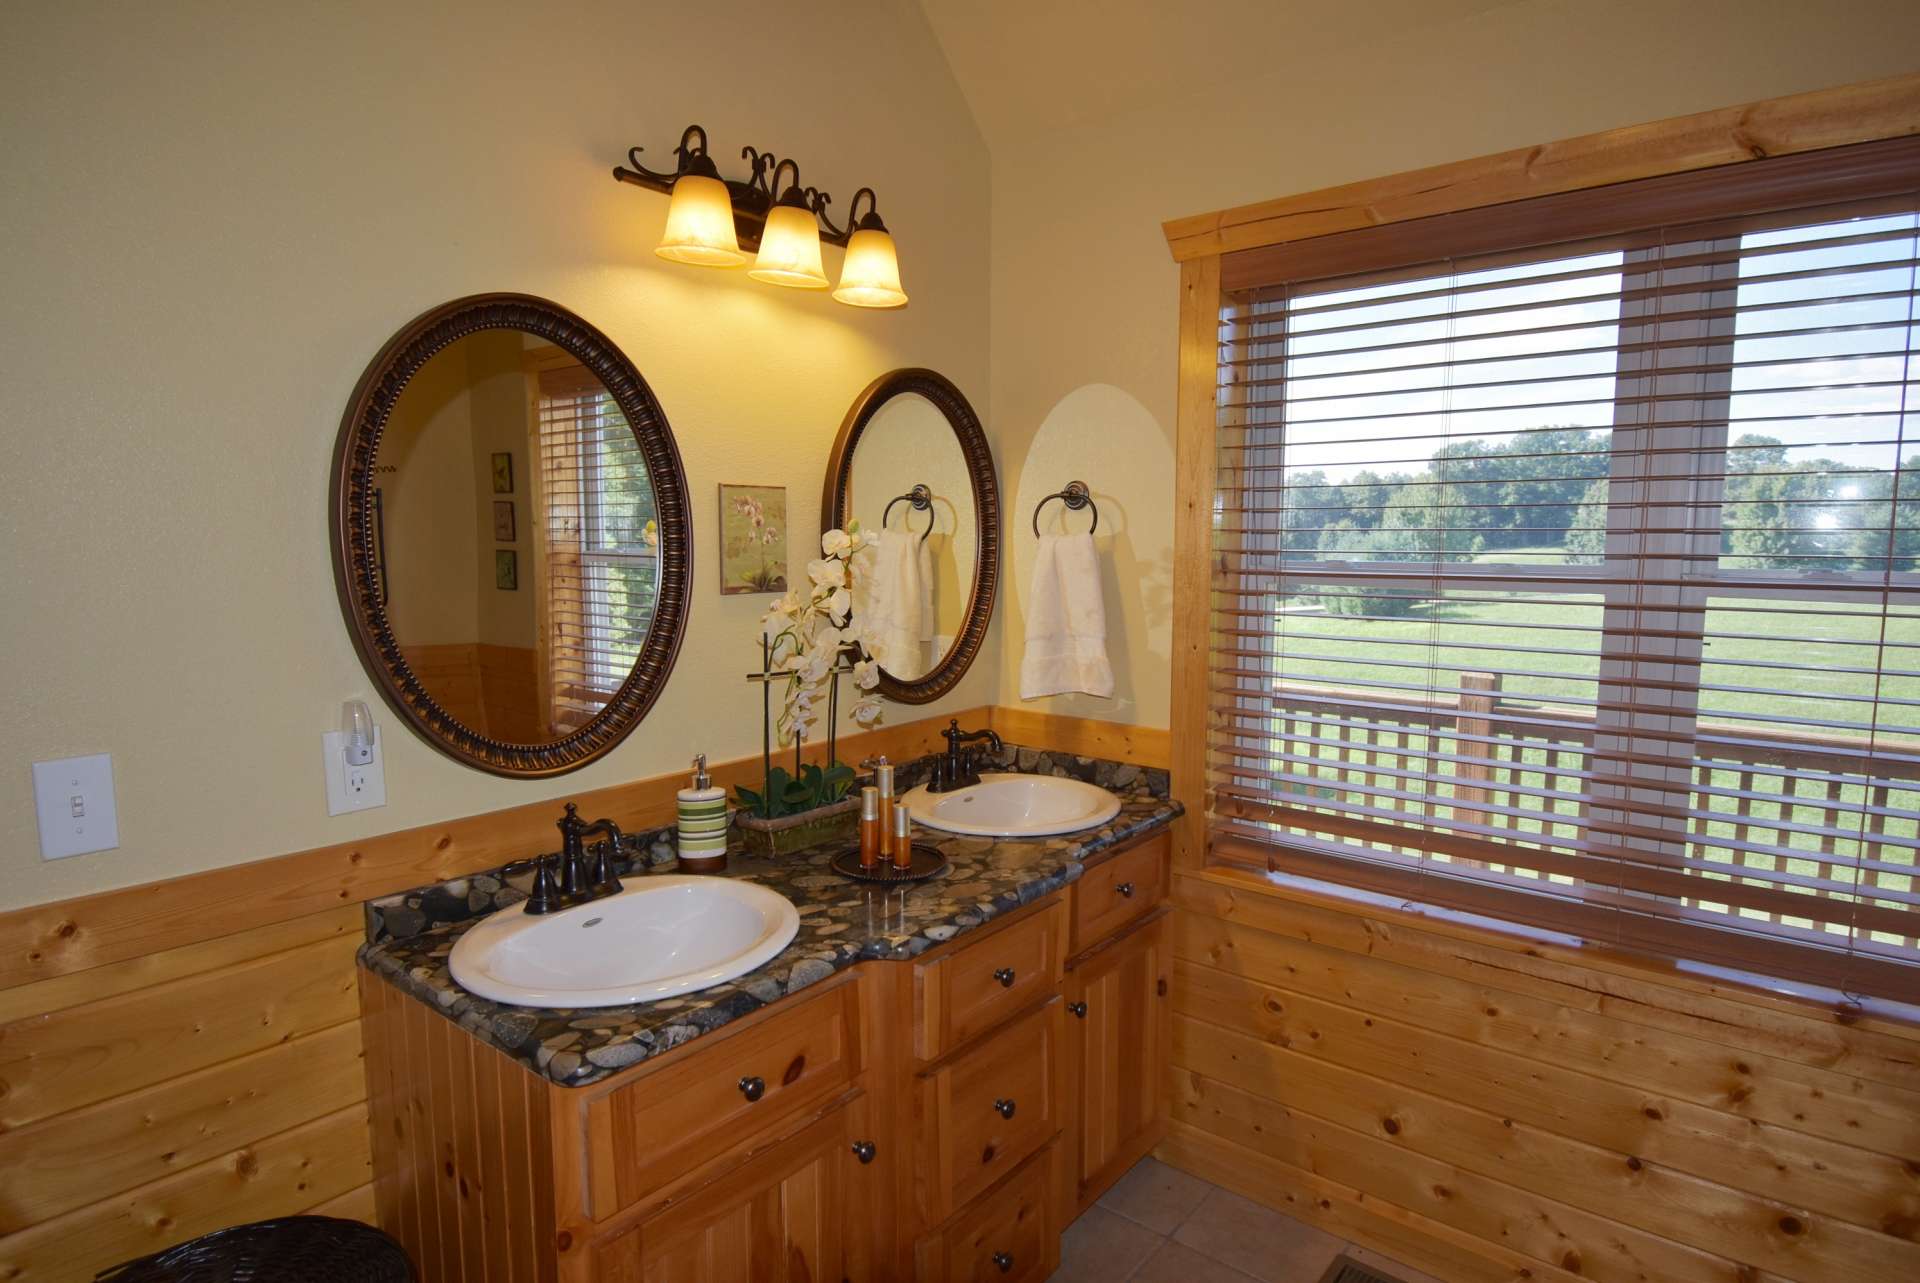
1545	654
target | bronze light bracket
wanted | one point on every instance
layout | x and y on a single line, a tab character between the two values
754	198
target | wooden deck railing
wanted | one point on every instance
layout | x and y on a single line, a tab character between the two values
1769	800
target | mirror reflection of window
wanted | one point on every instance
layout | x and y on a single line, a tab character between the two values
601	534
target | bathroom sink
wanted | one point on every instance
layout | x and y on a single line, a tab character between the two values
661	936
1014	806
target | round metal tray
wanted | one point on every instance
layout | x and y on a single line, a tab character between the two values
927	861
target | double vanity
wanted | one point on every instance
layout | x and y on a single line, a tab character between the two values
919	1083
778	1072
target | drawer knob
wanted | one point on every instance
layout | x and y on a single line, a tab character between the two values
1004	1260
1005	977
1003	1107
1078	1008
1125	889
864	1150
753	1088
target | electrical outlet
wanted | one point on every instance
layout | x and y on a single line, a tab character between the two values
73	798
353	788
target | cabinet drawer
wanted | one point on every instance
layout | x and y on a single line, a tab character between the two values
1006	1237
1115	892
983	982
988	1109
718	1094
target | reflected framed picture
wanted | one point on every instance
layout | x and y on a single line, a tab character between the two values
503	473
506	570
753	539
503	520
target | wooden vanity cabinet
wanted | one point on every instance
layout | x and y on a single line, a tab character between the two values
1119	1027
937	1120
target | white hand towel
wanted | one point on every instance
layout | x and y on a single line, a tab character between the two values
893	603
1066	622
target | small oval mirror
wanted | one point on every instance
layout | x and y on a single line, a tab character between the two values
912	465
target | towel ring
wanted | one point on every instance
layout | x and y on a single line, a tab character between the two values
1076	497
918	499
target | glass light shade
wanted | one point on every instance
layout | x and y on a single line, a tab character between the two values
790	250
700	224
870	277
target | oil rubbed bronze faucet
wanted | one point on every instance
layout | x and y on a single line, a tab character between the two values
956	770
577	882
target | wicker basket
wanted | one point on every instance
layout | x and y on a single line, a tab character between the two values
834	822
296	1249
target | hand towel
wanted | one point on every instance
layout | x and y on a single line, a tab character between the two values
894	602
1066	622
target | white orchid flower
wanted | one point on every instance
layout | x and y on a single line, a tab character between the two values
827	572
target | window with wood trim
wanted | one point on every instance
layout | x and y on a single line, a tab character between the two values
600	542
1568	564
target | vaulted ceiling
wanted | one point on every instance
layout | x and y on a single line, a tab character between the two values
1027	65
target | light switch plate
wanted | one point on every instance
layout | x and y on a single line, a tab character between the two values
73	796
353	788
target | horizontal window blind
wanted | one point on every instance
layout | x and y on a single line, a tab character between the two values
601	545
1579	583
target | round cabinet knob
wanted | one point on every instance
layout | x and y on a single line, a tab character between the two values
864	1150
1078	1008
1125	889
1003	1107
753	1088
1004	1261
1005	977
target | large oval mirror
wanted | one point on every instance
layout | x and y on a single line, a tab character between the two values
511	534
912	465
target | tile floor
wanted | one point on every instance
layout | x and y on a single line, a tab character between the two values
1159	1225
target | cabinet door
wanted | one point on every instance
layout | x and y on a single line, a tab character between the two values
777	1218
1117	1039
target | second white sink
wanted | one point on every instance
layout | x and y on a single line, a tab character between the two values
660	937
1014	806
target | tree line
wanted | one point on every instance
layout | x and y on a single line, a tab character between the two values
1548	490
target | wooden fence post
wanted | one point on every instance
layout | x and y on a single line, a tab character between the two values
1473	731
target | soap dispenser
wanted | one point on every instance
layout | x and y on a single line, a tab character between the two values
702	837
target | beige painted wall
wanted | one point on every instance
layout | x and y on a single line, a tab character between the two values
428	505
1084	291
501	402
216	213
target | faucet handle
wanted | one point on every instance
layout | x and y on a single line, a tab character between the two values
544	896
605	881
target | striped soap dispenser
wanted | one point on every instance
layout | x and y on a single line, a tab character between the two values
702	835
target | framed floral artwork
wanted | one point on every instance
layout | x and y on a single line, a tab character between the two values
753	539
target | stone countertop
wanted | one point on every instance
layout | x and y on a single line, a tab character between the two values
842	922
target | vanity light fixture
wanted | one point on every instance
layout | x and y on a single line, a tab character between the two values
712	221
790	242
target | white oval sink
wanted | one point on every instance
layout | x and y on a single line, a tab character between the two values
1014	806
661	936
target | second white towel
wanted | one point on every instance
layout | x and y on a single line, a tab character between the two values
898	605
1066	622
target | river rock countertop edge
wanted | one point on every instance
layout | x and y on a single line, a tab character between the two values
843	922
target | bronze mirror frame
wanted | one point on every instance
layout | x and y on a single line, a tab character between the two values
834	500
353	534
